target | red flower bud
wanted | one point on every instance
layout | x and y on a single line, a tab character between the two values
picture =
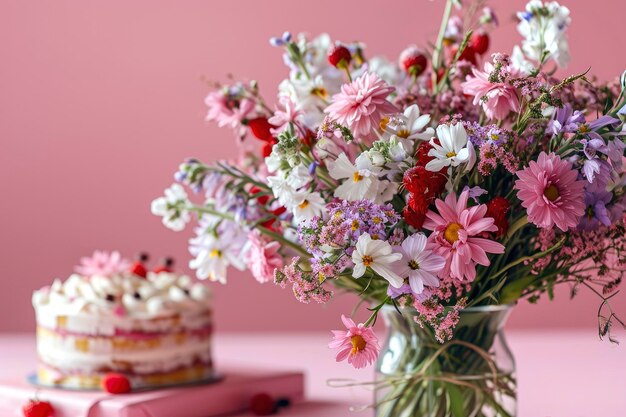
479	42
261	199
339	56
413	218
468	54
498	209
413	61
260	128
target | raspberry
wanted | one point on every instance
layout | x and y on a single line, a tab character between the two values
36	408
114	383
262	404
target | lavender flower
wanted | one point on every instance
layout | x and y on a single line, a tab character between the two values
596	212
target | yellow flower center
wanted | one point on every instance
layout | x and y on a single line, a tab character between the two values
451	154
367	260
355	225
584	129
383	123
320	92
377	220
404	133
551	193
358	344
304	204
356	177
414	265
215	253
452	232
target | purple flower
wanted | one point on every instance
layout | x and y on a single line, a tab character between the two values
565	120
596	212
281	41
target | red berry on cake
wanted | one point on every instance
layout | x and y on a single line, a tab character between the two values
339	56
165	266
413	61
36	408
114	383
262	404
139	266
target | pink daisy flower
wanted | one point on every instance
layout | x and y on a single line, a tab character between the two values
361	104
263	257
359	344
551	192
454	236
102	263
498	99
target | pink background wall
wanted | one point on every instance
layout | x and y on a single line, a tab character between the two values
100	101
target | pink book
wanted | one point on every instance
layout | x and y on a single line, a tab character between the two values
229	396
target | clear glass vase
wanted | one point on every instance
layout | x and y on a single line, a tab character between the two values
472	375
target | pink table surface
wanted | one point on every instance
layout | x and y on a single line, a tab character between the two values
560	373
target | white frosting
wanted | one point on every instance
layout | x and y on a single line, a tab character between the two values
124	295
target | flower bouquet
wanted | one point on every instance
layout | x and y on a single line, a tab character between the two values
440	188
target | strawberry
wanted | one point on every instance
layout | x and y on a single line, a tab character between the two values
115	383
138	267
339	56
36	408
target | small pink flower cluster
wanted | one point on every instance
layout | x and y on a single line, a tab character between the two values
305	286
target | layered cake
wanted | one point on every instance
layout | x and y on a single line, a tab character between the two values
114	317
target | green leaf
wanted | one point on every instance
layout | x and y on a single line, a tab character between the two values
455	400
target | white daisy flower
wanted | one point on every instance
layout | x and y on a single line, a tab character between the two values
377	255
415	126
360	179
173	207
452	149
298	176
214	253
419	264
282	190
307	205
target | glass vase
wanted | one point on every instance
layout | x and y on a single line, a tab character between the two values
472	375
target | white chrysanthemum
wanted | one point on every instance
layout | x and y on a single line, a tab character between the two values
452	149
377	255
173	207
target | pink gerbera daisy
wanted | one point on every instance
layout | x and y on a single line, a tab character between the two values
551	192
361	104
454	230
358	344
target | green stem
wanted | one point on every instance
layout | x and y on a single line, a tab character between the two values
276	236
